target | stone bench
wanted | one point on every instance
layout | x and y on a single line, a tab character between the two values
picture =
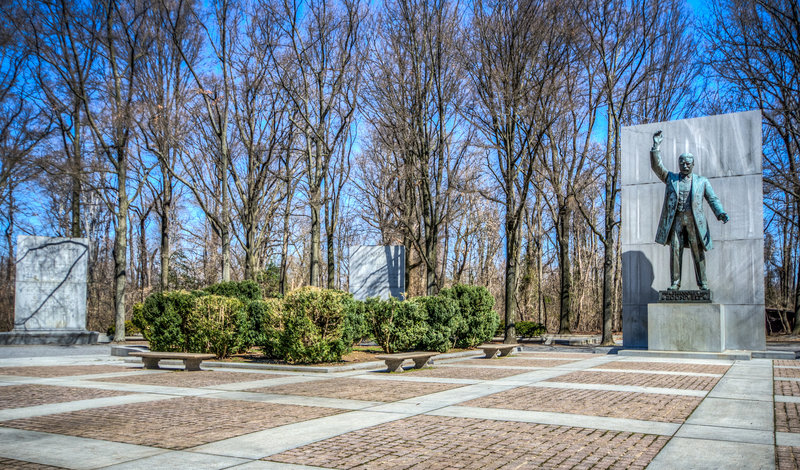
394	362
191	361
491	349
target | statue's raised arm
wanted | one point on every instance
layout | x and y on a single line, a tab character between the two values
655	158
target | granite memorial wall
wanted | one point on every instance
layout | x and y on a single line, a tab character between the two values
727	150
50	292
377	271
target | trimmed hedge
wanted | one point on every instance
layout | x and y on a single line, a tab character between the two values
265	319
312	324
193	322
396	325
161	318
316	326
529	329
478	318
444	320
217	325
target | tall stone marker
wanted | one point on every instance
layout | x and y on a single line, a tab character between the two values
50	295
377	271
727	151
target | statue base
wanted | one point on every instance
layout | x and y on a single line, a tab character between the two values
685	296
696	327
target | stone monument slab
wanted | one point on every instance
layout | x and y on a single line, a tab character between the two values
728	152
50	292
377	271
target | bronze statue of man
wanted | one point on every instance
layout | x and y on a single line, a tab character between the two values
683	221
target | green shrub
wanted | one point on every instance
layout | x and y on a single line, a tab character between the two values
269	281
161	319
501	328
355	321
395	325
217	325
529	329
314	325
264	318
479	320
130	328
443	319
245	291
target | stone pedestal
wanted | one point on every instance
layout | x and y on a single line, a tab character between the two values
697	327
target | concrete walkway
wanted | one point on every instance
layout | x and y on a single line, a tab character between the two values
536	409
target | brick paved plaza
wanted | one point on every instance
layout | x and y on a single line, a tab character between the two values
536	409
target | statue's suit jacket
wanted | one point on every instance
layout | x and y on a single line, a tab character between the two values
701	188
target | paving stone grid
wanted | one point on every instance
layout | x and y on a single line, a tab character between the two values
556	409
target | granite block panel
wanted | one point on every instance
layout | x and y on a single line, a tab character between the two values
740	323
377	271
735	272
47	259
634	326
724	145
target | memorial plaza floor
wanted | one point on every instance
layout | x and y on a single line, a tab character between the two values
541	408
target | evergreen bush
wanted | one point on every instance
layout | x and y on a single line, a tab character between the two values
265	324
395	325
217	325
245	291
161	318
479	321
529	329
315	325
443	319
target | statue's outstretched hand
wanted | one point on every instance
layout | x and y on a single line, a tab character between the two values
724	218
657	138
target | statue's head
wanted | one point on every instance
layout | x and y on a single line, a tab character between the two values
686	163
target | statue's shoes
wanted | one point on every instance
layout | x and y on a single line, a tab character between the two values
674	287
704	287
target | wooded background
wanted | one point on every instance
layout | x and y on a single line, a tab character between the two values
193	142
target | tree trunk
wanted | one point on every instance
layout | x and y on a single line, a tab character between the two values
608	234
315	238
285	249
432	286
512	248
225	234
564	268
75	203
250	255
796	328
166	213
143	274
120	248
331	261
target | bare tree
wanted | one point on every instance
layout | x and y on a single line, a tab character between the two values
164	124
517	50
60	66
320	72
260	116
119	32
416	93
214	90
631	52
756	53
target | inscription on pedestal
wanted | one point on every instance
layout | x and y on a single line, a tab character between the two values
685	296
